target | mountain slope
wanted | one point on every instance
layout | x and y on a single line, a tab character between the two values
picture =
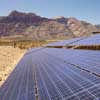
36	27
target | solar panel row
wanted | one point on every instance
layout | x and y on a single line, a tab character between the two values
93	40
65	42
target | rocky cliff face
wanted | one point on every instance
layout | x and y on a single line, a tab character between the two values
49	29
36	27
80	28
19	17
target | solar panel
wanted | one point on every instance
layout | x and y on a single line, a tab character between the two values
83	41
64	42
93	40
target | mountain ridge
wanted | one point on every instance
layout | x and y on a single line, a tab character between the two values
36	27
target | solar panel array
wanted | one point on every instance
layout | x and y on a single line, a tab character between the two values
58	74
64	42
93	40
60	79
86	59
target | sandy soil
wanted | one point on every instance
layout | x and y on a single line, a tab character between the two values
9	57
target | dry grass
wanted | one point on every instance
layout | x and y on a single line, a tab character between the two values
9	57
23	44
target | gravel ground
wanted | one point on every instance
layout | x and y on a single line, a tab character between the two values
9	57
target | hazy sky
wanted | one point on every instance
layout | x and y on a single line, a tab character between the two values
88	10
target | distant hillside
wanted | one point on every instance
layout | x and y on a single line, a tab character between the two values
30	25
97	26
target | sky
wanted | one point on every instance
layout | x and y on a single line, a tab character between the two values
88	10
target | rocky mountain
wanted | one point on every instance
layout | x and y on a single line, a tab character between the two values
33	26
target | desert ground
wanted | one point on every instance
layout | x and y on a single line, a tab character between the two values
9	57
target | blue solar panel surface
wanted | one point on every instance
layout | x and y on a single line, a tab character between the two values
61	79
61	74
64	42
93	40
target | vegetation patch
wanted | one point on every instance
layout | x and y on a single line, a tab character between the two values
23	44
